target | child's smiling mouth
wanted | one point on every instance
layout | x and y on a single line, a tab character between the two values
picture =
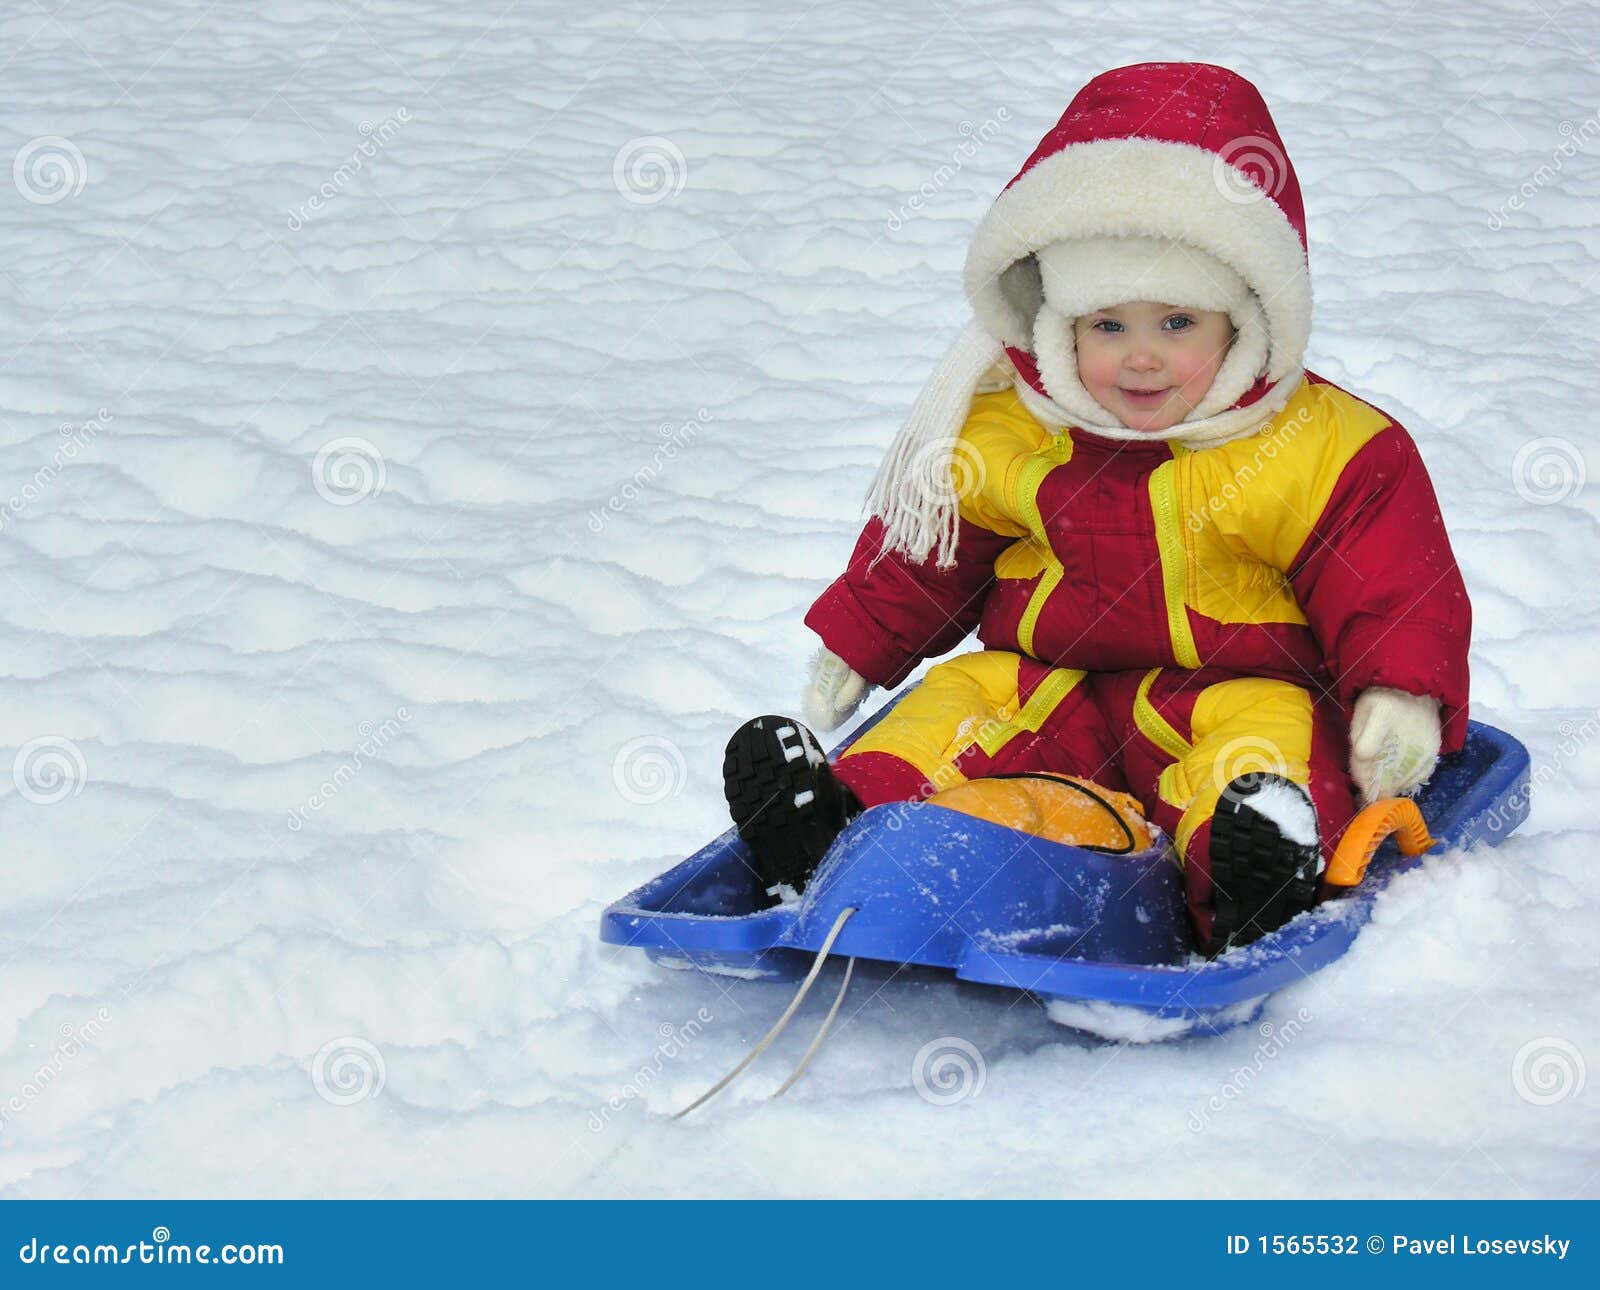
1143	396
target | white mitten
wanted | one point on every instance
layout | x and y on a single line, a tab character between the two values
833	691
1394	742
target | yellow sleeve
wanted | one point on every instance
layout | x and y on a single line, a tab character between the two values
999	435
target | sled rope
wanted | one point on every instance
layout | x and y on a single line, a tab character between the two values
777	1029
822	1033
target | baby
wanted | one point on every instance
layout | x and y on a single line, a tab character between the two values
1202	574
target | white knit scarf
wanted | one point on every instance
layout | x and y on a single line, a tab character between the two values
914	493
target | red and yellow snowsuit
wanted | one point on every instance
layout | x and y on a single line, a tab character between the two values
1158	619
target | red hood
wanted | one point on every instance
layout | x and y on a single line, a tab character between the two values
1182	150
1199	104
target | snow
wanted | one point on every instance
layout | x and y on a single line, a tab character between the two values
720	969
425	427
1134	1025
1286	807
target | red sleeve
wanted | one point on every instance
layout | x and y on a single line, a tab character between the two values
885	622
1380	587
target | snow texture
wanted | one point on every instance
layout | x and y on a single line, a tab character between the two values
1287	807
1133	1025
425	426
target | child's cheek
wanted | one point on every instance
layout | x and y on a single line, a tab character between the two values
1194	372
1095	370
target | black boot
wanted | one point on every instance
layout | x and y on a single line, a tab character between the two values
1263	869
784	798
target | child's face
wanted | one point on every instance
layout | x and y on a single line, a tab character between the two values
1147	346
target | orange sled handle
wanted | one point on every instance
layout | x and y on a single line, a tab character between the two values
1367	832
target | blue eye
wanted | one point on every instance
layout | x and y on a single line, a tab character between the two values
1107	322
1182	318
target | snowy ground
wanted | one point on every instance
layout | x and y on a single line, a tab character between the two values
347	676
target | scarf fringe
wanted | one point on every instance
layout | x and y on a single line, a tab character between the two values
913	493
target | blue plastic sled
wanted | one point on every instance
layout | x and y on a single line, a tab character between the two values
1103	940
